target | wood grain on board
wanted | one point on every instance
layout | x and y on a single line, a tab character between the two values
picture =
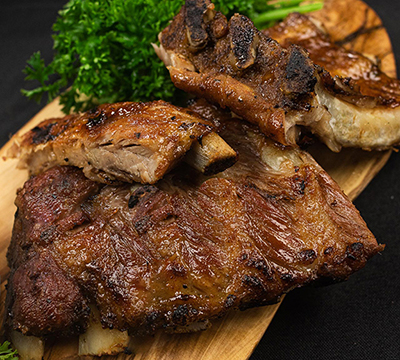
353	24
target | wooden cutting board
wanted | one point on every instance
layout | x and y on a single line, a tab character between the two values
237	334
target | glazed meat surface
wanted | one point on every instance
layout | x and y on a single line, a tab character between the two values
364	74
234	65
380	124
279	89
184	251
125	141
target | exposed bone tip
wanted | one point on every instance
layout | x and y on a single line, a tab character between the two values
28	347
212	155
98	341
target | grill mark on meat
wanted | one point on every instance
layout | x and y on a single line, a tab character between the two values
230	301
141	193
354	251
244	41
96	120
195	10
42	135
300	76
261	265
180	314
308	256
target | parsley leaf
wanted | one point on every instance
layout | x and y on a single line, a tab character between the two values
7	353
103	52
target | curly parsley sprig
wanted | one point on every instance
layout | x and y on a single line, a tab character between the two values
7	353
103	52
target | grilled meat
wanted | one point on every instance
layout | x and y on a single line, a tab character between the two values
233	64
362	72
379	125
125	141
183	251
49	300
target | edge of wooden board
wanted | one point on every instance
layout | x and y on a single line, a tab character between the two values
237	334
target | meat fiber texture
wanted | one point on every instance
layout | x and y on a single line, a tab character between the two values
184	250
231	63
114	142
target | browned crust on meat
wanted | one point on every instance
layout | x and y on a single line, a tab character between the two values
193	247
195	11
114	142
243	41
240	68
235	95
279	88
41	297
362	74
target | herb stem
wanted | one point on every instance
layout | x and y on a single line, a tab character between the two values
283	12
102	50
288	3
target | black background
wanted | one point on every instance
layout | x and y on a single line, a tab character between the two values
357	319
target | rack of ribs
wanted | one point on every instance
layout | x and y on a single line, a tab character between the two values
184	250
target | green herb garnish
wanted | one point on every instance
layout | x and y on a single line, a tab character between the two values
7	353
103	52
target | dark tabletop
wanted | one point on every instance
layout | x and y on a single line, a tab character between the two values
357	319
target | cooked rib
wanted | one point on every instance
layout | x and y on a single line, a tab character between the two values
237	67
379	123
183	251
364	74
125	141
280	90
98	341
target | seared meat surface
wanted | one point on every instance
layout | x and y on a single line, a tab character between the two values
48	299
279	89
234	65
125	141
185	250
378	125
363	74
